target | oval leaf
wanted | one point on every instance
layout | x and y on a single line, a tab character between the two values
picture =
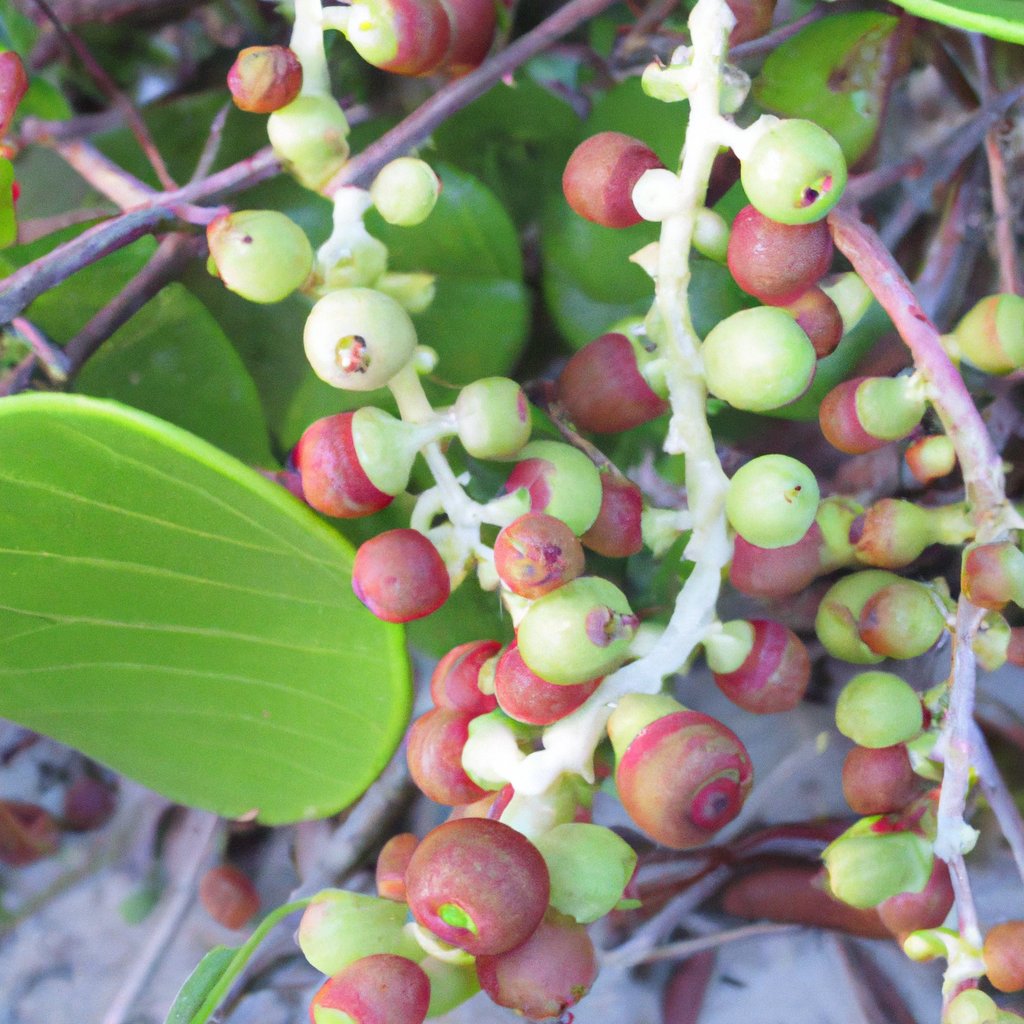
176	616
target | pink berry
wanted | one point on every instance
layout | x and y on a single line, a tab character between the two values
455	681
775	674
536	554
434	754
526	697
378	989
400	576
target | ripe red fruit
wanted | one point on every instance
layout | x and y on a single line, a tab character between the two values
599	178
910	911
617	531
550	972
776	572
526	697
392	863
775	674
472	31
879	780
1003	954
820	319
603	390
88	804
400	576
537	553
455	682
378	989
774	262
13	85
333	480
479	885
264	78
434	754
228	895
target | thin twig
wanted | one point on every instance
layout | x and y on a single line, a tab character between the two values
999	797
52	358
170	258
25	284
1002	208
211	147
181	897
104	175
461	92
17	377
40	227
110	89
690	947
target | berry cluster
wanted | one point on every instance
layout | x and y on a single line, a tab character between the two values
521	735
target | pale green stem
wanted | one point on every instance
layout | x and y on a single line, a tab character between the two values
307	43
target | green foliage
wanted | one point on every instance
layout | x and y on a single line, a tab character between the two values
1001	19
171	613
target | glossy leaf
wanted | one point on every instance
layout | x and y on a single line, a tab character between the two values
1001	19
173	360
176	616
840	85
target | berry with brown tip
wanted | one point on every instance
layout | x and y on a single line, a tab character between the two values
264	78
536	554
228	895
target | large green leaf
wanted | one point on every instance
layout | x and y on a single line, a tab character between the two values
173	614
1001	19
173	360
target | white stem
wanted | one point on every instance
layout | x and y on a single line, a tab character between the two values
307	43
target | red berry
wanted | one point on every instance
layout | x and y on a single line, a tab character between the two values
616	532
600	175
526	697
603	390
774	262
400	576
264	78
378	989
879	780
537	554
392	863
775	674
910	911
820	319
228	895
455	681
472	32
1003	954
434	754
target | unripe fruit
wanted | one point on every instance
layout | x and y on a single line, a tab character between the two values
379	989
776	572
228	896
332	476
561	481
902	620
526	697
451	984
772	501
405	191
590	867
455	682
400	576
617	532
1003	954
911	911
340	926
264	79
579	632
358	339
550	972
775	674
681	775
794	173
479	885
866	868
972	1006
879	780
991	335
405	37
819	318
931	458
536	554
775	262
392	863
893	532
473	23
603	390
837	621
599	178
434	754
993	575
758	359
492	417
878	709
13	86
261	255
310	136
866	413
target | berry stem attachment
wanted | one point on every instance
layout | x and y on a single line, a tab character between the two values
307	43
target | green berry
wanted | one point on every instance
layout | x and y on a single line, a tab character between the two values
493	418
879	709
866	868
991	335
310	135
758	359
837	621
794	173
261	255
972	1006
772	501
405	191
358	339
578	632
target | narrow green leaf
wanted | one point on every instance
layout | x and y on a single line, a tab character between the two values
1001	19
200	982
173	360
171	613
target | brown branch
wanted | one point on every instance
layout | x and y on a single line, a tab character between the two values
21	287
170	258
461	92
